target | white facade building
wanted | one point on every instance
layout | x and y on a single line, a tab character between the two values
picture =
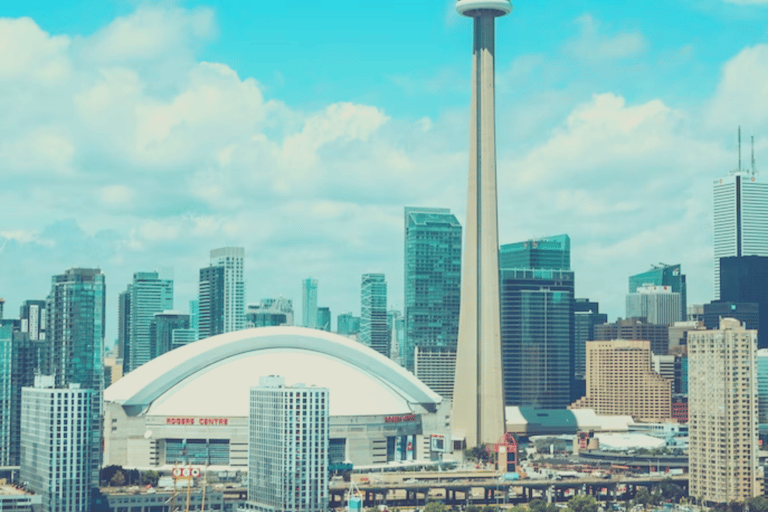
659	304
195	401
56	445
722	413
232	258
740	217
288	447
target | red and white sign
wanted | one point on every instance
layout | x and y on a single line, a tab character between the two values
400	419
206	422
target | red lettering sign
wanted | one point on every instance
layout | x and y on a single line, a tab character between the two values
200	421
399	419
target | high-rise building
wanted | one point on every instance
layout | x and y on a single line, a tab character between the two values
436	367
396	327
657	304
76	332
537	325
2	307
586	315
745	279
270	312
56	448
723	414
309	303
287	447
620	381
194	316
762	386
27	359
6	394
635	329
740	217
748	313
324	318
33	319
478	399
149	293
211	302
663	275
162	329
232	260
373	313
123	322
432	280
552	252
347	324
678	335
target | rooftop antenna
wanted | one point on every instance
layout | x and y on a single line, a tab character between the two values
739	168
753	155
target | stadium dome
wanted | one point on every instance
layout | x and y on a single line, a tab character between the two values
212	377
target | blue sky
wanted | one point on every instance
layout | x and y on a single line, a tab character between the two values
142	134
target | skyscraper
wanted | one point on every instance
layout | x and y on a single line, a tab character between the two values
6	394
33	319
552	252
287	447
478	398
164	328
723	413
123	322
309	303
745	279
635	329
210	318
231	260
56	448
537	337
347	324
373	313
270	312
586	315
432	280
324	318
76	330
149	293
663	275
740	217
658	304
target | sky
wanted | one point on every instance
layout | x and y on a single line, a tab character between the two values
136	135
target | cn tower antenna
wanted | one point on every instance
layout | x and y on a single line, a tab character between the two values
739	168
754	171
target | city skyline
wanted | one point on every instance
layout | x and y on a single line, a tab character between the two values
327	161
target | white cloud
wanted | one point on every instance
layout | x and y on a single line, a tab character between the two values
592	45
742	93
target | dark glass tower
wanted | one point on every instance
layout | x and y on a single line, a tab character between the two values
432	280
744	279
211	319
586	315
663	275
537	325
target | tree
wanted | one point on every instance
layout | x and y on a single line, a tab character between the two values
435	506
758	504
643	497
539	505
583	504
490	508
118	479
150	478
670	491
473	508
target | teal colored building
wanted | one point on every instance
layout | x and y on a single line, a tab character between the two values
432	280
553	252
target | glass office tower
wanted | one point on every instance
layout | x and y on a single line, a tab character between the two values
553	252
537	337
432	280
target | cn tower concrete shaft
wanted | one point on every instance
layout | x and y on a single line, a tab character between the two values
478	407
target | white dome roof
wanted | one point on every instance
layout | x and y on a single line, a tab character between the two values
212	377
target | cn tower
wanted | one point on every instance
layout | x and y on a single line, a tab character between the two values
478	395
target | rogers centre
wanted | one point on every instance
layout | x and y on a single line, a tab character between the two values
190	405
